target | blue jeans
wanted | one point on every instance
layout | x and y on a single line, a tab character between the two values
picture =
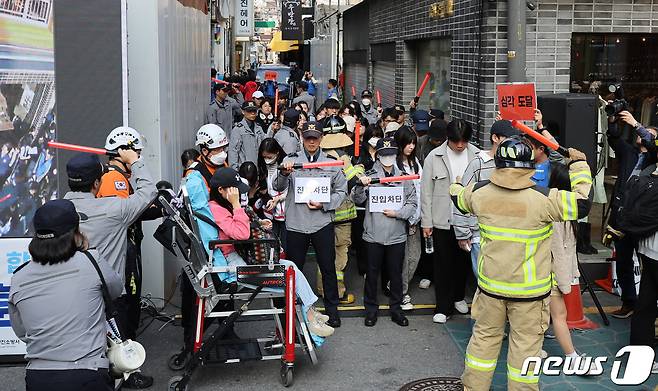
475	253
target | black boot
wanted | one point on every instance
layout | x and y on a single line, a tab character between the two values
588	240
583	237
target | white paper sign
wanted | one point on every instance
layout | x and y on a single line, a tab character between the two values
13	253
383	198
317	189
244	18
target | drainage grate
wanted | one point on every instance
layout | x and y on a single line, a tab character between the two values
434	384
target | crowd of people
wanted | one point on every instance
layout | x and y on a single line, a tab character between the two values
503	216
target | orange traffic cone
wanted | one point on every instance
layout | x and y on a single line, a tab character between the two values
576	319
606	283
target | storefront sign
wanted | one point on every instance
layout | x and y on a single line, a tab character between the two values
441	9
244	18
291	20
517	101
383	198
316	189
14	253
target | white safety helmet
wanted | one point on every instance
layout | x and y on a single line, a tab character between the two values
211	136
124	136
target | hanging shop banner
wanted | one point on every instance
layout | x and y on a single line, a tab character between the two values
383	198
244	18
517	101
291	20
316	189
14	253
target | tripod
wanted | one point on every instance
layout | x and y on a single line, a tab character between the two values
588	287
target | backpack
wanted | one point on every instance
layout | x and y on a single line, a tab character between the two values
638	214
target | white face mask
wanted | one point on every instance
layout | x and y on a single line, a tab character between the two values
218	159
271	161
387	161
366	102
373	142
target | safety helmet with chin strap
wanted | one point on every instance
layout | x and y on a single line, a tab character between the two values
515	152
124	137
211	136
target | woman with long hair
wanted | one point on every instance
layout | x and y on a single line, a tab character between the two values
408	163
265	115
270	156
235	224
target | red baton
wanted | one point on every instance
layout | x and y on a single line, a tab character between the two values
379	98
337	163
220	81
80	148
395	179
276	103
422	86
540	138
357	138
5	198
353	93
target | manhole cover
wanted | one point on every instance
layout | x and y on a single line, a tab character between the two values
434	384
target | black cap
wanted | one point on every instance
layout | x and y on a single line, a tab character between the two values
249	105
55	218
504	128
438	130
436	113
312	129
303	85
84	168
400	108
366	93
228	177
387	146
421	119
291	118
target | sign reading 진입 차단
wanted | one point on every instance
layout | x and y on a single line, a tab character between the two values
381	198
316	189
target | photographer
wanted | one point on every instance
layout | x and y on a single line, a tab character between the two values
65	351
633	158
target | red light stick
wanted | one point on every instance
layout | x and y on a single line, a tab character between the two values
338	163
540	138
379	98
357	138
394	179
276	103
422	87
353	93
80	148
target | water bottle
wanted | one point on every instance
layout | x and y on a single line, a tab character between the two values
429	245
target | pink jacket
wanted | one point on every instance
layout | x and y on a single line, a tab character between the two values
234	226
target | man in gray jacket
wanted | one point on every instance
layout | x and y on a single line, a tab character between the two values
304	96
245	138
312	222
223	109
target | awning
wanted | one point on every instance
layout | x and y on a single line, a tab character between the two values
277	44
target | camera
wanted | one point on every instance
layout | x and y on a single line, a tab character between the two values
619	104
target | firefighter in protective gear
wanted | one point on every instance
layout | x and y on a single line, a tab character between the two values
515	218
333	143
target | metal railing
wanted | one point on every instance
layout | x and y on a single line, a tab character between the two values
37	10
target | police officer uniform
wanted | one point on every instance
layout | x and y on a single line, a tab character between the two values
65	350
305	225
287	137
370	113
245	139
222	113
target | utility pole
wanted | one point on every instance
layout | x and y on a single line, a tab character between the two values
516	42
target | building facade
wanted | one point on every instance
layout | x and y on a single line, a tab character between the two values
463	44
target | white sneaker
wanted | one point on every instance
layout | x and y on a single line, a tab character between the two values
406	303
424	283
461	307
654	368
320	329
439	318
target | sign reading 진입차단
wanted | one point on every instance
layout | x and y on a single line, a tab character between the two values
517	101
316	189
381	198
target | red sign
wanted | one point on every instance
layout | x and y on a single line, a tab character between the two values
517	101
271	75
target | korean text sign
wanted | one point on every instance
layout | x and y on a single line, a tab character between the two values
244	18
517	101
14	253
383	198
316	189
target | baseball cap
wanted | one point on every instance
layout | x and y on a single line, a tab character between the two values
258	95
228	177
386	147
400	108
55	218
249	106
392	127
312	129
438	130
421	119
84	168
436	113
503	128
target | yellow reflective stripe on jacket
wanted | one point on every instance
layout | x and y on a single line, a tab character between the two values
569	206
345	214
580	177
515	289
460	201
480	364
515	375
515	235
352	171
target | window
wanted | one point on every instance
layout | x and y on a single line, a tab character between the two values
434	57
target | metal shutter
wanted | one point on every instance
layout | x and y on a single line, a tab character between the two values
384	81
355	75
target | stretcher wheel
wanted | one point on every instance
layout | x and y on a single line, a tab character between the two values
173	384
178	361
286	376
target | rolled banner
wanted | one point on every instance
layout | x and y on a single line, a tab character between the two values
390	179
422	86
306	166
541	138
379	98
81	148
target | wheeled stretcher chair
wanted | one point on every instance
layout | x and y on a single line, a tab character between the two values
262	279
